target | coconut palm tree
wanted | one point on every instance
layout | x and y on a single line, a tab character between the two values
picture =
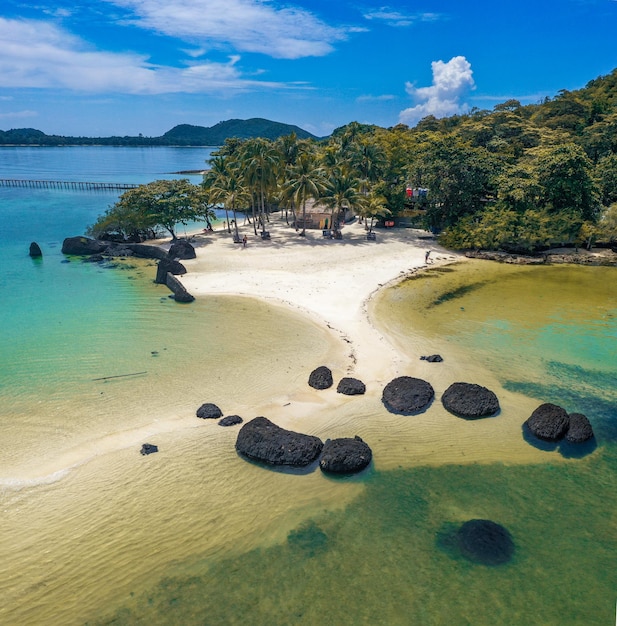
342	191
231	192
305	181
374	206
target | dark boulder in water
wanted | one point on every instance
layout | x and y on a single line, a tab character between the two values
321	378
209	411
579	428
149	448
168	266
485	542
548	422
470	401
407	396
35	250
230	420
144	251
433	358
351	387
345	455
82	246
261	440
181	249
308	538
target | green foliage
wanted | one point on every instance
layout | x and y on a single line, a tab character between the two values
162	203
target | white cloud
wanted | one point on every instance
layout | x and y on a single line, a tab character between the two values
451	83
383	98
392	17
36	54
18	114
248	25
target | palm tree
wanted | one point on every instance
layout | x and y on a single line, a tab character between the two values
215	178
305	181
374	206
230	191
342	192
260	165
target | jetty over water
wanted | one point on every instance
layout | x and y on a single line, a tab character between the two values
65	184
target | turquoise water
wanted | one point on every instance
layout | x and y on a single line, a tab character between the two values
193	535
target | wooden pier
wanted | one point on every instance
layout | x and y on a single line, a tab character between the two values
65	184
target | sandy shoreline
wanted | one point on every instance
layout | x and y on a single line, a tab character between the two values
329	280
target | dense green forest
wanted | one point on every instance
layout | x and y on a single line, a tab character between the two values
518	178
181	135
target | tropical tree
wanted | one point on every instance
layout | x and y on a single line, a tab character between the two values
164	203
305	181
227	188
374	206
342	191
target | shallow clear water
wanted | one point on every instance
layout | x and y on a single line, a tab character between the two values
92	532
387	558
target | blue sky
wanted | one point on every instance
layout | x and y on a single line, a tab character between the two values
124	67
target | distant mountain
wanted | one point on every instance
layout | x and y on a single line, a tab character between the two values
182	135
185	134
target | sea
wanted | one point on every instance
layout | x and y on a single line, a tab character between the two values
96	360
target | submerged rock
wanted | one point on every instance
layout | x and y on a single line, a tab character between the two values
35	250
548	422
321	378
231	420
485	542
261	440
407	396
209	411
351	387
345	455
308	538
579	428
149	448
470	401
432	358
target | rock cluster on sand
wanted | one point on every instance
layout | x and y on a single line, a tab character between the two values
551	422
261	440
351	387
470	401
321	378
345	455
483	541
209	411
407	396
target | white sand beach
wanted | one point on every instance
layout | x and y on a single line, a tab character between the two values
329	280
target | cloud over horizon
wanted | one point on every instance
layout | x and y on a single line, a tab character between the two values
285	32
452	81
38	54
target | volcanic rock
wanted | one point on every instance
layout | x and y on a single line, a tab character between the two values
209	411
149	448
345	455
35	250
548	422
579	429
261	440
485	542
230	420
82	246
321	378
470	401
181	249
351	387
168	265
407	396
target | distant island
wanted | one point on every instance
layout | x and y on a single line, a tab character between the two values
181	135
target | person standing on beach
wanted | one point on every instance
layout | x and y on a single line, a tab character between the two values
244	241
426	256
